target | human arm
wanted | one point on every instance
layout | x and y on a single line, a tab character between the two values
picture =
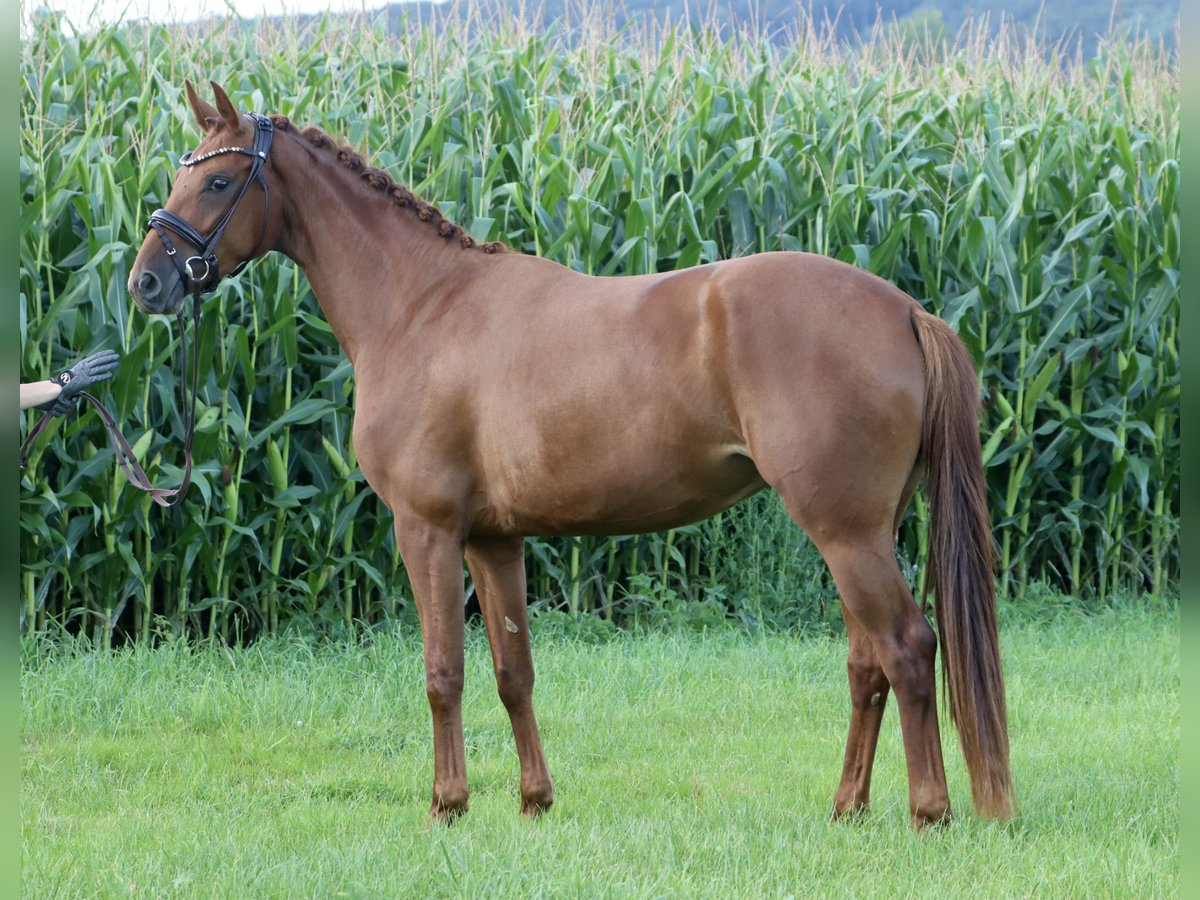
39	392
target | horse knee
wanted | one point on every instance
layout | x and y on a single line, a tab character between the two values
444	687
514	684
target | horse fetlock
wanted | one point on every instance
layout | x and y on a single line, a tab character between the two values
537	798
934	811
448	804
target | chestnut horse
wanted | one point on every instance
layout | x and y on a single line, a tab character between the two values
500	395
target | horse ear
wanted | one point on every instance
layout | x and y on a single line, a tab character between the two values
228	111
201	110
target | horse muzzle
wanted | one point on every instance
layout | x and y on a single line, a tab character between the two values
157	291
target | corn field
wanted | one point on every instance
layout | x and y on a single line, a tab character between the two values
1029	199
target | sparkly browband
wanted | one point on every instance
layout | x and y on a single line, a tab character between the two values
187	160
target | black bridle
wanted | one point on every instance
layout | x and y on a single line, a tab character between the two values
162	220
197	282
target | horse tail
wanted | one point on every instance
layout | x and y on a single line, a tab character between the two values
960	564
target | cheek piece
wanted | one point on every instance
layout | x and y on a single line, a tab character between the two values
199	272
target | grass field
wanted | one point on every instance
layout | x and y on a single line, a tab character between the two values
691	765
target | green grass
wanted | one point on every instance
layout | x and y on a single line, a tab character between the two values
694	765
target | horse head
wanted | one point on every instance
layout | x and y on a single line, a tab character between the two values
205	231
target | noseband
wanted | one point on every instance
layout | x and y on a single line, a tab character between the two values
199	272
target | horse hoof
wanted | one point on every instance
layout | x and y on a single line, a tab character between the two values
850	812
439	816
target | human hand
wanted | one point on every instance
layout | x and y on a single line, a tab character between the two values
85	373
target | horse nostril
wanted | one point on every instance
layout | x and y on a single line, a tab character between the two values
149	285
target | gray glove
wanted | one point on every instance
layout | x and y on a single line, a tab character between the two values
85	373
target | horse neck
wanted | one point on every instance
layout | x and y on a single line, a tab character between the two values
373	267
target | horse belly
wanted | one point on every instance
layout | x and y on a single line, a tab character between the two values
620	493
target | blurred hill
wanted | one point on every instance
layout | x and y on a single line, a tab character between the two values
1078	24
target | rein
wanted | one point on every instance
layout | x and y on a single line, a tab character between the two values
199	282
125	457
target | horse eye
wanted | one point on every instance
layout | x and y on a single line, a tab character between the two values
219	183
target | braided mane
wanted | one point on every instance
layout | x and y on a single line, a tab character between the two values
382	181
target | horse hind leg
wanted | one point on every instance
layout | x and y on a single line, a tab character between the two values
498	569
869	689
868	693
878	601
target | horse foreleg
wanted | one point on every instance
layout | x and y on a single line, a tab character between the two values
875	594
433	559
498	569
868	694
